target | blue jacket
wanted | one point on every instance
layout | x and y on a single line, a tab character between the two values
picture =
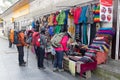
83	17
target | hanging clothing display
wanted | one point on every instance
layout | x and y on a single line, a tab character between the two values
66	17
44	21
96	13
51	30
78	32
90	14
33	24
92	32
54	18
85	41
57	29
77	13
88	32
83	18
60	18
71	26
50	20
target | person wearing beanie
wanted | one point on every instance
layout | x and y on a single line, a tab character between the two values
41	49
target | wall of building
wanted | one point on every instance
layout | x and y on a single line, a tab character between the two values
39	7
7	23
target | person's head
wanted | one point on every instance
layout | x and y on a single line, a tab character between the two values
42	31
30	32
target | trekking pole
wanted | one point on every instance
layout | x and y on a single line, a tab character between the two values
46	55
27	54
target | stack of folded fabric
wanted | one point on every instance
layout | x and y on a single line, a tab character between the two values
66	63
101	44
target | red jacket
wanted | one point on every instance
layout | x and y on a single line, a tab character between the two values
77	13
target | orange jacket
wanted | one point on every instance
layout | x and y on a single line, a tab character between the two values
11	36
50	20
21	39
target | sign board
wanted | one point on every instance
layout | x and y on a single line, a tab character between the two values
106	10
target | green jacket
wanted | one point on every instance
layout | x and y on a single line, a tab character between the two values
60	18
57	29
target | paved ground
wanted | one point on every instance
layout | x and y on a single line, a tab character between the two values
9	69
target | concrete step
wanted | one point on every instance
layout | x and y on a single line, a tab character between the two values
108	71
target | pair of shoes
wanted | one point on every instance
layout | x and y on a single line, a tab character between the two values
22	64
60	70
55	69
41	68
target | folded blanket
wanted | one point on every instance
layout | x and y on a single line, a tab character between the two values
107	29
72	65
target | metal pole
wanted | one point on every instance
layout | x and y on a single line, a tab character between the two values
27	54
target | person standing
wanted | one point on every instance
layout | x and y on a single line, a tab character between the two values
9	33
20	48
41	49
60	53
39	42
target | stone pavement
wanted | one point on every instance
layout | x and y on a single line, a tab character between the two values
9	69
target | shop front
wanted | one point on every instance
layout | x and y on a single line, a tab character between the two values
92	24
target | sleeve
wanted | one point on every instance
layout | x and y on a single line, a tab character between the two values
49	20
64	16
64	43
57	18
44	40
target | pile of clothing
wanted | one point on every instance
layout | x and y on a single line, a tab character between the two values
101	44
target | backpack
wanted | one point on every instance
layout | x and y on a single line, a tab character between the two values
15	38
12	35
55	41
36	39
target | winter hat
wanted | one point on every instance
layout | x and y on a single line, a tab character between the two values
42	30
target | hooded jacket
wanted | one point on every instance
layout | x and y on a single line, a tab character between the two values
77	13
21	39
61	18
50	20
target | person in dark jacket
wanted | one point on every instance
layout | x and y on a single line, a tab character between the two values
41	50
10	43
20	48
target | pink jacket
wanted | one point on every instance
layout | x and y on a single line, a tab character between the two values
64	44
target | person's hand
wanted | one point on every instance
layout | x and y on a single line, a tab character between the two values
28	46
66	52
